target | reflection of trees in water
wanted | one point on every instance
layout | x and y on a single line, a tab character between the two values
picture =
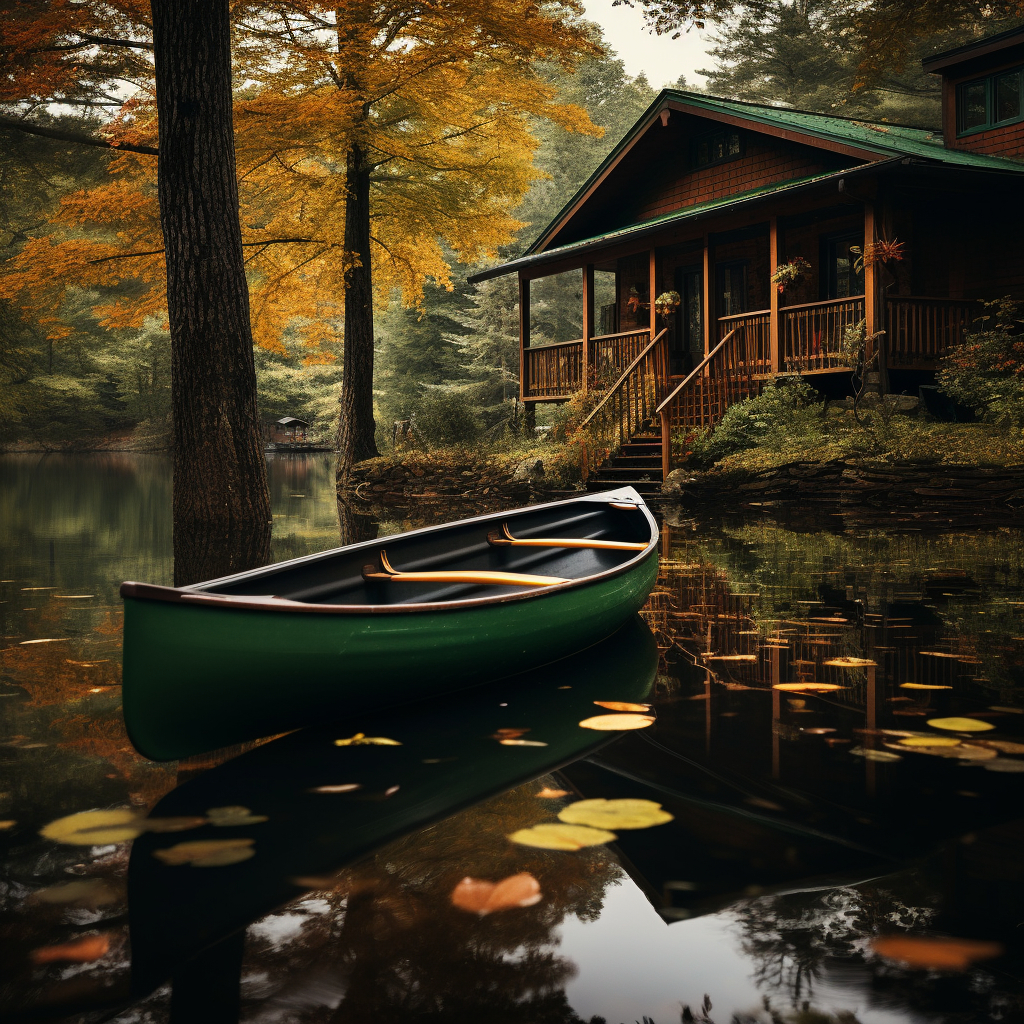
402	952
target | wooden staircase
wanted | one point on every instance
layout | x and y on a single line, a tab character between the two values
636	463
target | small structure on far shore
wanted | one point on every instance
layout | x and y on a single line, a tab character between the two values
287	430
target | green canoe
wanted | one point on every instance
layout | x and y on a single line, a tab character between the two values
380	623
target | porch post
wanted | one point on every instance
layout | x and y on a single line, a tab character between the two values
524	334
773	293
588	320
871	311
652	290
710	317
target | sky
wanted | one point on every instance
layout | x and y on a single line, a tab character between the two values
661	58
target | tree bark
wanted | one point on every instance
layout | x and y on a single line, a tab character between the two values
221	500
355	426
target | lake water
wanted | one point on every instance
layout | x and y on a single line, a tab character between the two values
805	833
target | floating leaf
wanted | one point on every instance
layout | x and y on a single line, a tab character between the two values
961	751
555	836
798	687
48	640
171	824
521	743
609	723
1004	764
850	662
923	686
939	654
226	817
621	705
207	853
360	740
961	724
81	951
875	755
622	813
547	793
344	787
7	824
1007	711
935	953
929	741
509	734
94	828
479	896
732	657
819	731
86	892
1003	746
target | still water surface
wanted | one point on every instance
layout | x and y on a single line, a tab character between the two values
803	828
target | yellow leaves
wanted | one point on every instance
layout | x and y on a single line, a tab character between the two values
929	741
611	723
614	814
94	828
360	740
960	724
553	836
618	705
929	953
207	853
479	896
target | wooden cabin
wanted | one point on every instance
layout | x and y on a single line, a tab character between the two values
708	198
287	430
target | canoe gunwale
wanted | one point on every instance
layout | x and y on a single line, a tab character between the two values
196	597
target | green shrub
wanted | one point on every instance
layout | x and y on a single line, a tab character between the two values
446	416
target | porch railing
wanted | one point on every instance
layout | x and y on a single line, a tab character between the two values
811	334
553	371
631	401
618	350
757	343
919	330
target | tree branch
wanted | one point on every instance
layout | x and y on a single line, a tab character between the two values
62	136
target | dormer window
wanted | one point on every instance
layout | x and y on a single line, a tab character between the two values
988	102
717	147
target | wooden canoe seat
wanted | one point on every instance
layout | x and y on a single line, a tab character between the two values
470	576
505	539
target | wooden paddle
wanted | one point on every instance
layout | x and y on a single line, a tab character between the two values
505	539
500	579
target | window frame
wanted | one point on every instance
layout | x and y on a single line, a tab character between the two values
989	81
697	165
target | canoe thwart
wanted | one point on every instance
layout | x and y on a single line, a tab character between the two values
505	539
478	576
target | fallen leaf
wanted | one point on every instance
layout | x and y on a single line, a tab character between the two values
620	705
961	724
86	892
850	662
90	947
226	817
509	734
962	751
391	791
521	743
731	657
835	741
935	953
553	836
797	687
614	814
479	896
171	824
1003	746
939	654
929	741
360	740
547	793
1007	711
94	828
1004	764
207	853
923	686
822	731
608	723
345	787
875	755
7	824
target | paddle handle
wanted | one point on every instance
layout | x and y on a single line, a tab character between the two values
497	579
505	539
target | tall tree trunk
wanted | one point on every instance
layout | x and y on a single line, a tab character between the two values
356	427
221	500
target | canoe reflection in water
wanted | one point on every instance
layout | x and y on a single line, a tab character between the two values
186	922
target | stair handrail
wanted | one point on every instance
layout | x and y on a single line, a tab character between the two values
625	373
698	369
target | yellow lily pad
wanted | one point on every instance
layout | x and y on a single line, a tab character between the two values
961	724
361	740
610	723
923	686
624	813
553	836
207	853
1003	746
94	828
800	687
930	741
224	817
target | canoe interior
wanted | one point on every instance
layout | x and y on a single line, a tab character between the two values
336	577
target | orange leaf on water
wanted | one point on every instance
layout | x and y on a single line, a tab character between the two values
478	896
81	951
621	705
547	793
935	953
609	723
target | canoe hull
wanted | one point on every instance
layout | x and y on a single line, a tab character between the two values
199	678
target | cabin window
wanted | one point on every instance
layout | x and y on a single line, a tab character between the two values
731	285
990	101
844	277
716	147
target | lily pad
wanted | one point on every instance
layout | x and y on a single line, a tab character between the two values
611	723
801	687
923	686
617	814
929	741
94	828
622	705
875	755
961	724
207	853
555	836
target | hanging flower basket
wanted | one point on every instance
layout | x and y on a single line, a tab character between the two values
667	303
788	274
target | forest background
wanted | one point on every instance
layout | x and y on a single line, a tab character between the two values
86	355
